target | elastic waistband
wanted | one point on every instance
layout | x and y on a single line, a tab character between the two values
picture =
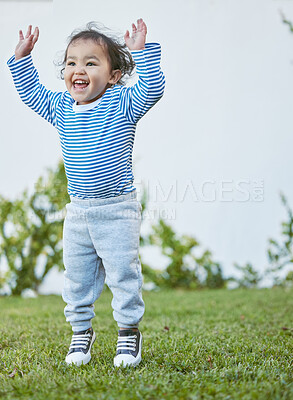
100	202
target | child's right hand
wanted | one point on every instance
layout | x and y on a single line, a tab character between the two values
27	43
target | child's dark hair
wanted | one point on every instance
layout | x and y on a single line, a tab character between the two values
118	55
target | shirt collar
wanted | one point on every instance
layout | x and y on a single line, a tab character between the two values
85	107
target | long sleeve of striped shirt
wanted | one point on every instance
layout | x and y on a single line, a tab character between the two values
138	99
96	138
31	92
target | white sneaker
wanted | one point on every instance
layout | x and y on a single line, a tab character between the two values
128	348
80	347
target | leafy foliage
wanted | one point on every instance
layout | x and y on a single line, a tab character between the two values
185	270
31	232
286	21
280	254
250	277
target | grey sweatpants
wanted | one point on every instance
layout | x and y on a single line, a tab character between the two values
101	244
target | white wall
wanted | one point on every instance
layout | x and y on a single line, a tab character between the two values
225	116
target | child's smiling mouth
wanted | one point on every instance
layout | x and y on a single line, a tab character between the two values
80	84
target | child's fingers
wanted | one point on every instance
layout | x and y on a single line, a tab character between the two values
133	28
21	35
29	31
144	28
144	25
140	22
36	35
141	26
126	36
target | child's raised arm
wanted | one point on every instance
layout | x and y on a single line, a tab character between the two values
136	100
26	78
27	43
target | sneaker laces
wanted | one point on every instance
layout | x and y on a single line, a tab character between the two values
80	340
126	343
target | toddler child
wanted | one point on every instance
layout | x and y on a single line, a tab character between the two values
96	120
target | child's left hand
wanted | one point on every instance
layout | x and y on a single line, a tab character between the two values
137	41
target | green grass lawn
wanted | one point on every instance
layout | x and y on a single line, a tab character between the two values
214	344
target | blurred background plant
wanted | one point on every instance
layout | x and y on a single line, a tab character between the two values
31	232
184	269
249	278
280	254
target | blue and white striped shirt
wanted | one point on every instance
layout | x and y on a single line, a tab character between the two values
96	138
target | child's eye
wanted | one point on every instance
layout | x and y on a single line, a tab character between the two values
71	63
90	63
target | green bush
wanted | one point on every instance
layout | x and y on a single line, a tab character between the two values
185	270
250	278
31	232
280	254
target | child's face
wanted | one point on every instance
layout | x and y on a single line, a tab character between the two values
87	71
